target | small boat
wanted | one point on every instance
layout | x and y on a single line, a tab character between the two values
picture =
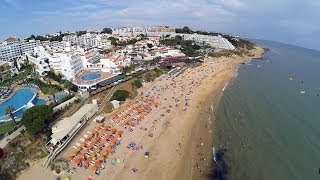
302	92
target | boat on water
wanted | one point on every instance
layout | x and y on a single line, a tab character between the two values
302	92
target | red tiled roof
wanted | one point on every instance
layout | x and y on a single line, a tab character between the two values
10	39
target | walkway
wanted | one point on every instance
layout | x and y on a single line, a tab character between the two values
7	139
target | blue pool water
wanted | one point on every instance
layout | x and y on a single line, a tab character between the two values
91	76
18	100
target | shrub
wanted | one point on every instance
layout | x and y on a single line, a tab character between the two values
137	83
120	95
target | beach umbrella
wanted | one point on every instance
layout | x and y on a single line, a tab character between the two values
108	148
74	153
86	151
97	164
118	161
113	161
97	150
132	144
86	164
89	159
94	169
97	127
101	158
81	156
120	132
94	158
113	130
100	145
104	153
67	178
77	161
70	158
112	144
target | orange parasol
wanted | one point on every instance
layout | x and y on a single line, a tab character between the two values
97	127
90	146
112	144
89	159
120	132
108	148
70	158
97	150
100	145
94	142
77	161
86	164
105	153
86	151
97	138
101	158
94	169
81	156
113	130
74	153
107	137
94	132
97	164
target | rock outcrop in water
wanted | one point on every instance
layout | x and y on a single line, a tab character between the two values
219	166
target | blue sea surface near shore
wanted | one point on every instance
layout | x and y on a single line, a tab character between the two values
268	118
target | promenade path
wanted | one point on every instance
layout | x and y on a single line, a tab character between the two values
7	139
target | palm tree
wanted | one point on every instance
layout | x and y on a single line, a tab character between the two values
9	112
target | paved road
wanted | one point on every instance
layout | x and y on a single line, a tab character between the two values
7	139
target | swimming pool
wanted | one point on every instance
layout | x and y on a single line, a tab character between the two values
20	98
91	76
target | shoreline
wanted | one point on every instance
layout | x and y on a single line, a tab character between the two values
200	165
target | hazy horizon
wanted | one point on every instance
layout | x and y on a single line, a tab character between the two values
290	22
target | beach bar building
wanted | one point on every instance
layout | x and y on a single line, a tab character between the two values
63	131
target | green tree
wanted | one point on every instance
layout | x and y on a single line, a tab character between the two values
149	45
120	95
68	85
9	112
79	33
36	118
106	30
137	83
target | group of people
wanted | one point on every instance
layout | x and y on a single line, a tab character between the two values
5	92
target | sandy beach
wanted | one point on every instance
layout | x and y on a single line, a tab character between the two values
175	133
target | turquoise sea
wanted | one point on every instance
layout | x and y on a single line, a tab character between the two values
268	119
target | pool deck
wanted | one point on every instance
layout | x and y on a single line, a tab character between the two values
104	76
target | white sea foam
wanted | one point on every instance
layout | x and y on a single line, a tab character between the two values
225	86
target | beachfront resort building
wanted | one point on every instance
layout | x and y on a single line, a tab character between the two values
134	31
14	48
10	49
39	59
218	42
89	40
64	130
71	65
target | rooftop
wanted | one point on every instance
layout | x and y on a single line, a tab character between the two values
64	126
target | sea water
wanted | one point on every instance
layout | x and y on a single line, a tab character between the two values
267	123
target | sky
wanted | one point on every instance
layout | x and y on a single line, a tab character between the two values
290	21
